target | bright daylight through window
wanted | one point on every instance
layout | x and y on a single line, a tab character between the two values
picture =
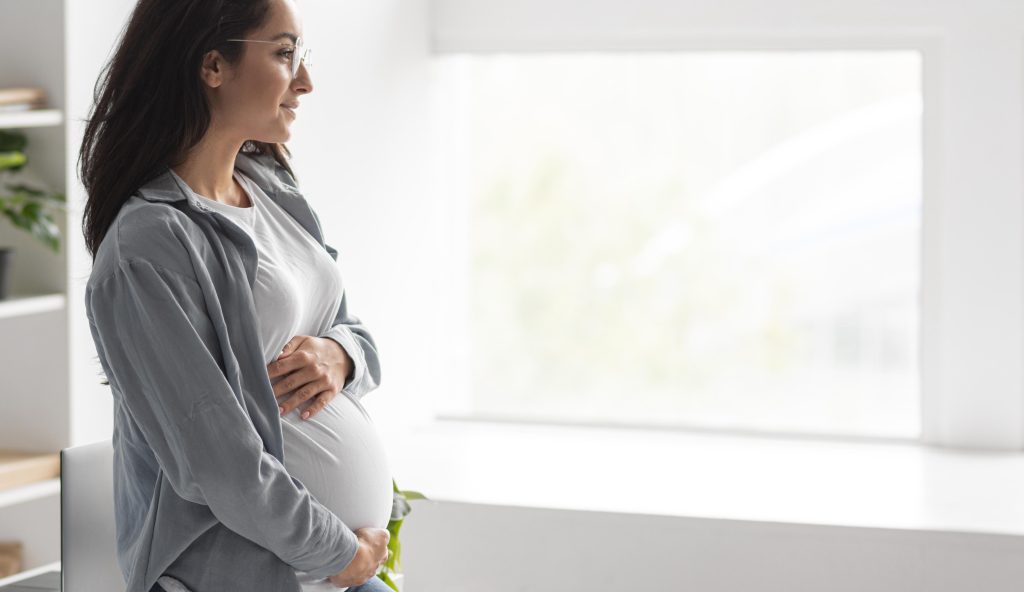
726	239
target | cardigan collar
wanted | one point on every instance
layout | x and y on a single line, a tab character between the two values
268	175
165	187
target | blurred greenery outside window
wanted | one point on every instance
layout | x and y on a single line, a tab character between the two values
713	239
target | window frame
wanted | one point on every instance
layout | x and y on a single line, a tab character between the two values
971	323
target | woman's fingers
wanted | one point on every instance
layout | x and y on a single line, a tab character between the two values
318	404
297	379
305	374
302	394
286	364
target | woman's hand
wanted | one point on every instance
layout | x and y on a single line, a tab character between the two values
312	368
370	557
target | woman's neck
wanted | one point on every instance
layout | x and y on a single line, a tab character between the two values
208	170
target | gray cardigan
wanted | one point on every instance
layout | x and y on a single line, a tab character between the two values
200	490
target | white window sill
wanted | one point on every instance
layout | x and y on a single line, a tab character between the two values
875	485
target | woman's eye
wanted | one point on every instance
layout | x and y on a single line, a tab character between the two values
286	52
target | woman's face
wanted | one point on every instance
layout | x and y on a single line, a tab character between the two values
253	96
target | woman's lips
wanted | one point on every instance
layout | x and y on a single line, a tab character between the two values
289	109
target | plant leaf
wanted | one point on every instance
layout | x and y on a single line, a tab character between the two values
12	160
387	580
30	209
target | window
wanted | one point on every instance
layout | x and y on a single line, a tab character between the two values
726	239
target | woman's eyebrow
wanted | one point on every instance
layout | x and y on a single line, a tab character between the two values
292	36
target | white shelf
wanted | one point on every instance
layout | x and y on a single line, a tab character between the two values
21	305
31	118
30	573
32	491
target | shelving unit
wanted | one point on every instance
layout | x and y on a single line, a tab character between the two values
45	578
34	118
35	391
24	493
20	305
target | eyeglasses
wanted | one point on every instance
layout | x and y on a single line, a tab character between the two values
300	53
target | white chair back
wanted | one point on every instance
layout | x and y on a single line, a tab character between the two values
88	548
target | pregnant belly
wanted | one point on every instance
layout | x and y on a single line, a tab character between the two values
339	457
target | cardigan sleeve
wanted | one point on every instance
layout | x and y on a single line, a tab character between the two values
160	352
351	334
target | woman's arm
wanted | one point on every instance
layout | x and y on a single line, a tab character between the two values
357	342
160	351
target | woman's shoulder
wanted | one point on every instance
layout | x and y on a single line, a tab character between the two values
155	232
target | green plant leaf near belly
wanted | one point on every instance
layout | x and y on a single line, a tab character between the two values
399	510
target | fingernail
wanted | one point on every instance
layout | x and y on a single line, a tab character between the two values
280	409
305	415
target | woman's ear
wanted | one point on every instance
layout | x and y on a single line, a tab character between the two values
213	68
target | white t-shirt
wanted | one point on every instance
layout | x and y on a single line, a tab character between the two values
337	454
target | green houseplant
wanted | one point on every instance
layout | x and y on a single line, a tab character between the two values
399	510
28	208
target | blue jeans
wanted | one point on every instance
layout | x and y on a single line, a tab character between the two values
374	584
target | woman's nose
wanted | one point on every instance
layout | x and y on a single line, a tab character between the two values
303	82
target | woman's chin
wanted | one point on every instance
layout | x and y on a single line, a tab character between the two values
283	136
278	138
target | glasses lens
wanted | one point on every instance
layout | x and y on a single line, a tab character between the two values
296	56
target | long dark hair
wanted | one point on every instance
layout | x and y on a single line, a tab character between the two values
149	107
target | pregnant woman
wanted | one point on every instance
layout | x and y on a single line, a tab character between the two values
243	457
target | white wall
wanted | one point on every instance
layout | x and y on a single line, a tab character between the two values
91	29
